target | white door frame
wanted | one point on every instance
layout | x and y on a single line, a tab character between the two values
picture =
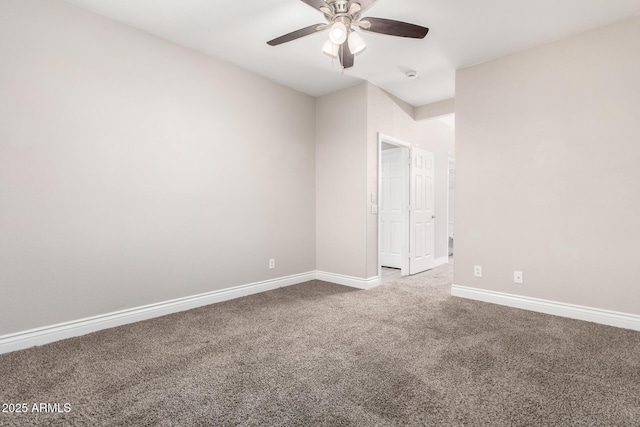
450	219
391	215
382	138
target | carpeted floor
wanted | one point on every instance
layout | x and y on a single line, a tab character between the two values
405	353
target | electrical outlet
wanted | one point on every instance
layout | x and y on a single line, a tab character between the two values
272	263
518	277
477	270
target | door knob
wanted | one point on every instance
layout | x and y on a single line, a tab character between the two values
433	217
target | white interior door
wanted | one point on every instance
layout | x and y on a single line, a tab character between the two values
422	213
391	203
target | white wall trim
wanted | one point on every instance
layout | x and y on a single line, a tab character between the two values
353	282
75	328
589	314
441	261
48	334
372	282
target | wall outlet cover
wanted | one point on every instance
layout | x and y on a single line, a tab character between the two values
477	270
518	277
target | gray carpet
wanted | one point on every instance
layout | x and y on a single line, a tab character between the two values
405	353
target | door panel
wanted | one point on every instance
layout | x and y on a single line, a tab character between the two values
391	220
422	212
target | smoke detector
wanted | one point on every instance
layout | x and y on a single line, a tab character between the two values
412	74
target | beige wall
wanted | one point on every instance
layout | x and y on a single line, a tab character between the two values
341	174
347	174
436	109
392	117
133	171
547	176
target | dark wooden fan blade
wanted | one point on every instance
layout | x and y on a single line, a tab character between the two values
316	4
296	35
364	4
395	28
345	55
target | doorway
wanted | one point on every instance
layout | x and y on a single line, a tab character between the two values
392	199
406	208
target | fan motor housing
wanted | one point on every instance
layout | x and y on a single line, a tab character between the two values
339	6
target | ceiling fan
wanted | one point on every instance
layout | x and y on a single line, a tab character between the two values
343	16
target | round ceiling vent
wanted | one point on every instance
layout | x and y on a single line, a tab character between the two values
412	74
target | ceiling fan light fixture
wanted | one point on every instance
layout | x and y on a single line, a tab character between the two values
343	18
330	49
356	43
338	33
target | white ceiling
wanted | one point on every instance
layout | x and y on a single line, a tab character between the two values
462	33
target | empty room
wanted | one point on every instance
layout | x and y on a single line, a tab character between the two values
319	212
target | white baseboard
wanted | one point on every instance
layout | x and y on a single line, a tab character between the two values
441	261
589	314
48	334
353	282
61	331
